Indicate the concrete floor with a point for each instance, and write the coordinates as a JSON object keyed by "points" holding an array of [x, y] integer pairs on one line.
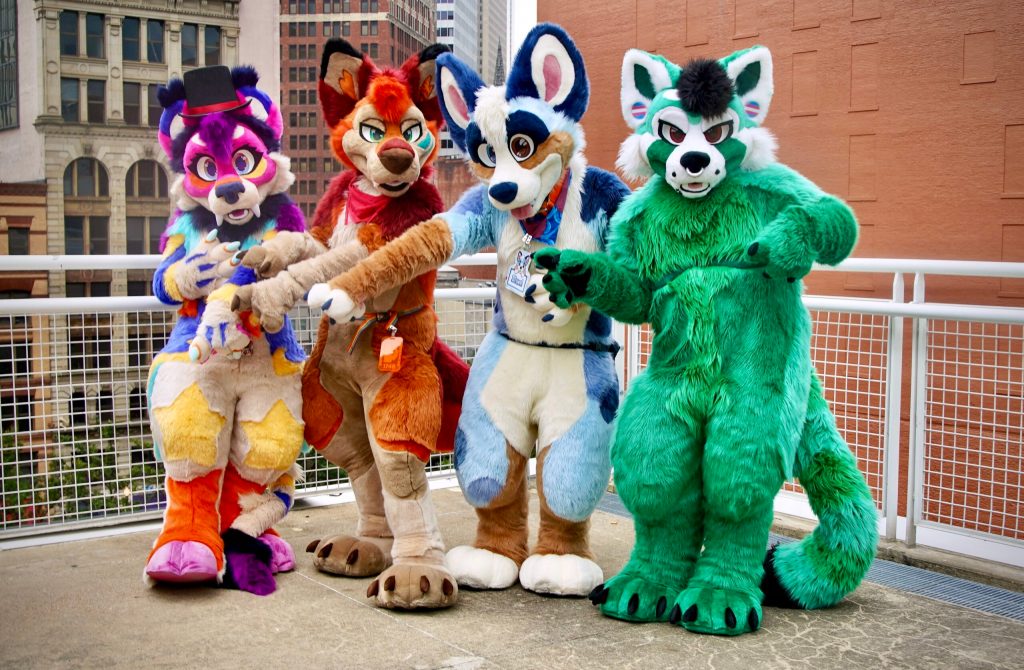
{"points": [[83, 605]]}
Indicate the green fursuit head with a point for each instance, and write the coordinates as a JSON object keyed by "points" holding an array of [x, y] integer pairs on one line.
{"points": [[711, 252]]}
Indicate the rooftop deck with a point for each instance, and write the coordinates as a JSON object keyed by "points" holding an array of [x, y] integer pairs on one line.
{"points": [[83, 604]]}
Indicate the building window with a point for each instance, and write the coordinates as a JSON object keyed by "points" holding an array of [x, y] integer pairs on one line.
{"points": [[86, 208], [153, 104], [346, 28], [136, 288], [69, 100], [146, 179], [69, 33], [96, 97], [144, 234], [130, 39], [17, 240], [293, 29], [211, 48], [189, 44], [86, 178], [8, 65], [155, 41], [132, 93], [86, 234], [94, 36], [147, 206]]}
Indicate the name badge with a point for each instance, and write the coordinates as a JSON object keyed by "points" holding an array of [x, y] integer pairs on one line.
{"points": [[518, 277]]}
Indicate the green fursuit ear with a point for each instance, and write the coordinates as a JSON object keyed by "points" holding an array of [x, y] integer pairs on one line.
{"points": [[644, 75], [751, 72]]}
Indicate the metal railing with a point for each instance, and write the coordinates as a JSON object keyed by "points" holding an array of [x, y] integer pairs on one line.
{"points": [[938, 436]]}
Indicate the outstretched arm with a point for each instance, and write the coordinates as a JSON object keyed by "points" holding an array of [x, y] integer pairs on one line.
{"points": [[596, 279]]}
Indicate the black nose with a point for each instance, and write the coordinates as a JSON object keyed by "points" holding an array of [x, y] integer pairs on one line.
{"points": [[505, 192], [230, 191], [695, 161]]}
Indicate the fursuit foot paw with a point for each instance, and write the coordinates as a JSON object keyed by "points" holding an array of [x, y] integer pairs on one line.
{"points": [[282, 558], [629, 597], [480, 568], [182, 562], [560, 574], [703, 609], [351, 556], [409, 586]]}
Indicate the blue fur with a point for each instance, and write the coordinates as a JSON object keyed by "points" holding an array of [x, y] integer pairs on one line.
{"points": [[520, 77], [498, 322], [469, 83], [480, 452], [602, 382], [473, 222], [602, 193], [286, 338], [575, 472], [529, 124], [184, 331], [159, 290], [285, 498]]}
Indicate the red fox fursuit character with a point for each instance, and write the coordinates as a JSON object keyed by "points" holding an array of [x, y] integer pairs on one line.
{"points": [[229, 429], [381, 393]]}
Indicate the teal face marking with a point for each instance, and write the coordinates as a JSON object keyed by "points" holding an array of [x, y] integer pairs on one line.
{"points": [[427, 143]]}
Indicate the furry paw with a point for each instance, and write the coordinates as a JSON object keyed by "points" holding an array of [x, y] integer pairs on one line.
{"points": [[247, 563], [199, 273], [703, 609], [335, 303], [560, 574], [567, 274], [268, 300], [782, 252], [351, 556], [414, 586], [275, 254], [220, 331], [630, 597], [540, 299], [182, 562], [480, 568], [282, 558]]}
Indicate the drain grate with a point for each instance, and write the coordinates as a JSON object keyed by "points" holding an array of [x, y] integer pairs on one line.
{"points": [[934, 585]]}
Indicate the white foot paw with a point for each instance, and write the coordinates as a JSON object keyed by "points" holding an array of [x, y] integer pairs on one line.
{"points": [[480, 568], [335, 303], [560, 574]]}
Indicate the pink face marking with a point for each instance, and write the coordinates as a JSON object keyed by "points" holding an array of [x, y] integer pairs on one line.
{"points": [[212, 157]]}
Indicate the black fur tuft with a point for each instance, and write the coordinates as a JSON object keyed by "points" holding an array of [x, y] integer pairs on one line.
{"points": [[775, 594], [244, 75], [433, 51], [705, 88], [171, 93], [333, 46]]}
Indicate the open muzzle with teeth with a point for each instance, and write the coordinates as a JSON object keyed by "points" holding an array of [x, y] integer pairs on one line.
{"points": [[235, 201]]}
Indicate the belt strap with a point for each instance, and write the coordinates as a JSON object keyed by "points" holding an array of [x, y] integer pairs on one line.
{"points": [[373, 318], [600, 347]]}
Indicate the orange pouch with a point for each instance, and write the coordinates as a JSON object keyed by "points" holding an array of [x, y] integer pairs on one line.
{"points": [[390, 354]]}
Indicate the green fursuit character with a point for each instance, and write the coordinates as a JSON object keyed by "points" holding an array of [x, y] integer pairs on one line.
{"points": [[711, 252]]}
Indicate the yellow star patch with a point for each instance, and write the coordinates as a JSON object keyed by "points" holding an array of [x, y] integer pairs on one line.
{"points": [[275, 441], [189, 428]]}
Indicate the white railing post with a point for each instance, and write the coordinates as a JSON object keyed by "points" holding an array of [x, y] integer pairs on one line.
{"points": [[893, 407], [918, 420]]}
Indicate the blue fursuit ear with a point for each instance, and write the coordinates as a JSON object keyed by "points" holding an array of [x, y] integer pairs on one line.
{"points": [[457, 87], [549, 67]]}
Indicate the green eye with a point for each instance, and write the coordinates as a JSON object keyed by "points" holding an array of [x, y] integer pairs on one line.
{"points": [[413, 132], [370, 133]]}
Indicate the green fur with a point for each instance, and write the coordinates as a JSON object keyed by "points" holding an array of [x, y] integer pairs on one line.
{"points": [[729, 406]]}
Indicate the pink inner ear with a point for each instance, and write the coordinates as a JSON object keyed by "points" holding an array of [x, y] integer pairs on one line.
{"points": [[456, 101], [552, 76]]}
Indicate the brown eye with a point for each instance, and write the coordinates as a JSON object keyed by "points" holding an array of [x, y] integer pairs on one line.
{"points": [[521, 147], [718, 133], [671, 133]]}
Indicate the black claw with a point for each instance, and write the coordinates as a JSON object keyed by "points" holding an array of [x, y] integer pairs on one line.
{"points": [[548, 262], [791, 279], [373, 589], [548, 279], [389, 583], [352, 557], [333, 321], [311, 547], [596, 592], [326, 551], [530, 290], [752, 249], [730, 618], [602, 597], [447, 587], [547, 317], [659, 609], [327, 304], [633, 605], [529, 298], [752, 621], [766, 275], [424, 583], [675, 615], [691, 614]]}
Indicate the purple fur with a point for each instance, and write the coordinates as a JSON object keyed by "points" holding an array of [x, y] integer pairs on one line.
{"points": [[216, 131], [250, 574], [290, 218]]}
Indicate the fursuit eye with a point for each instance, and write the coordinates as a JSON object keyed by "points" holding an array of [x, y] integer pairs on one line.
{"points": [[521, 147], [413, 132], [370, 133], [244, 161], [485, 153], [718, 133], [206, 168], [670, 132]]}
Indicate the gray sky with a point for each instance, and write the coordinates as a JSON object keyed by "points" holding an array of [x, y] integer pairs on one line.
{"points": [[522, 17]]}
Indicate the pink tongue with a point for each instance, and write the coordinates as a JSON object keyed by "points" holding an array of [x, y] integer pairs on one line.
{"points": [[695, 186], [238, 213], [522, 212]]}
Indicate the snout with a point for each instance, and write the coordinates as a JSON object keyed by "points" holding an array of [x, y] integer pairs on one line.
{"points": [[396, 156], [694, 162], [504, 192], [229, 191]]}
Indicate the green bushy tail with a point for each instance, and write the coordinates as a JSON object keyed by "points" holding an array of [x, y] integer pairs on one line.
{"points": [[828, 564]]}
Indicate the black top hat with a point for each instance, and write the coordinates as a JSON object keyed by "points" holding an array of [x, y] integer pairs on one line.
{"points": [[209, 90]]}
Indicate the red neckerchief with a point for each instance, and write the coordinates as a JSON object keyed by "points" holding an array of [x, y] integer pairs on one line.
{"points": [[541, 226], [361, 207]]}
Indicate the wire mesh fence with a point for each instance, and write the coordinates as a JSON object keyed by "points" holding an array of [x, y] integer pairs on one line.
{"points": [[850, 353], [973, 452], [76, 442]]}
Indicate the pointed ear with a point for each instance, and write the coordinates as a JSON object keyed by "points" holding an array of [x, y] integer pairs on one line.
{"points": [[751, 73], [261, 105], [343, 73], [421, 71], [172, 99], [457, 87], [643, 76], [549, 67]]}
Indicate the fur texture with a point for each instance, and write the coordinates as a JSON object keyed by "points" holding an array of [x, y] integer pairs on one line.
{"points": [[729, 406]]}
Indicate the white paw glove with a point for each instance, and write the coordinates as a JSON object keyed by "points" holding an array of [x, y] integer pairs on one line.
{"points": [[539, 298], [200, 272], [219, 331], [335, 303]]}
